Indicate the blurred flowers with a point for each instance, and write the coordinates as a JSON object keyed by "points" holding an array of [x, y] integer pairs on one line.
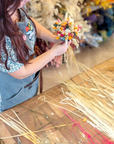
{"points": [[105, 4]]}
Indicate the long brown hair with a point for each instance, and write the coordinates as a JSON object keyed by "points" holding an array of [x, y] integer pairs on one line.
{"points": [[10, 29]]}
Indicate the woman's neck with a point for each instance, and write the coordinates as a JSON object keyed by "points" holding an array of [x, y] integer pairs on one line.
{"points": [[16, 16]]}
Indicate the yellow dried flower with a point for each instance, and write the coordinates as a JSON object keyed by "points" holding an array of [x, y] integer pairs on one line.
{"points": [[70, 37], [70, 23], [61, 28], [76, 28], [54, 28], [64, 24], [57, 38], [84, 120], [56, 23]]}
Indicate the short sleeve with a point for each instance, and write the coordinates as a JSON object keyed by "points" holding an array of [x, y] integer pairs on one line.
{"points": [[12, 62]]}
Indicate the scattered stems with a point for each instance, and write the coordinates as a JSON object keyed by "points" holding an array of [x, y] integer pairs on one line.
{"points": [[20, 127]]}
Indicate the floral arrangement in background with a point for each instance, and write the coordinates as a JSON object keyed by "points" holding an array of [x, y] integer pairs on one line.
{"points": [[46, 12], [105, 4], [43, 11]]}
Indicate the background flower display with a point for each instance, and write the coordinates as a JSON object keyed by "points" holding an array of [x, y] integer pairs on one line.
{"points": [[47, 12]]}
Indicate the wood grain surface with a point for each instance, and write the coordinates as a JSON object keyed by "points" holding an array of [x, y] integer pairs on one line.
{"points": [[44, 117]]}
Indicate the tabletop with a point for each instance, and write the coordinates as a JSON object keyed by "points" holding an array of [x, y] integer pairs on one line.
{"points": [[53, 122]]}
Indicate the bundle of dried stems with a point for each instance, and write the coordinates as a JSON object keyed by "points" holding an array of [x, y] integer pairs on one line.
{"points": [[93, 95]]}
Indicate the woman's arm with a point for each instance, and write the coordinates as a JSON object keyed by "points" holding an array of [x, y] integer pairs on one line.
{"points": [[43, 33], [39, 62]]}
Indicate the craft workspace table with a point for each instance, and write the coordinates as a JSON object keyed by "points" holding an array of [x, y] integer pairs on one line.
{"points": [[39, 115]]}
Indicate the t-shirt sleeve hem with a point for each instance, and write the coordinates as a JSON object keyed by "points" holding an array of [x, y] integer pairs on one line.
{"points": [[15, 68]]}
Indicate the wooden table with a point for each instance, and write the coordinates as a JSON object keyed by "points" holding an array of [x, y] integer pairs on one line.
{"points": [[40, 115]]}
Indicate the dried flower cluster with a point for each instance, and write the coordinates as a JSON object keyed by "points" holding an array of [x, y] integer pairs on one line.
{"points": [[46, 12], [67, 30]]}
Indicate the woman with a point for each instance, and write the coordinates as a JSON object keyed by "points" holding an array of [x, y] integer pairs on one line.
{"points": [[18, 72]]}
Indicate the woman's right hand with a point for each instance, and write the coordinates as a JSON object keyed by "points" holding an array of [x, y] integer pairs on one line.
{"points": [[60, 48]]}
